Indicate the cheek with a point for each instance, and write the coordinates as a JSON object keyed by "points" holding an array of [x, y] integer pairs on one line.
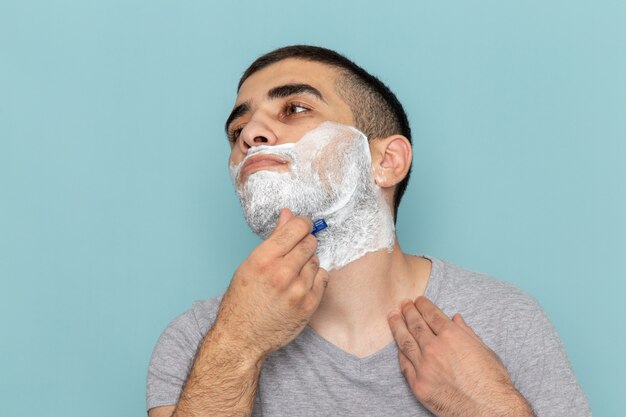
{"points": [[235, 157], [293, 133]]}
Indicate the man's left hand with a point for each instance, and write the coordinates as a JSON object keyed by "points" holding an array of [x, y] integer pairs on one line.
{"points": [[448, 367]]}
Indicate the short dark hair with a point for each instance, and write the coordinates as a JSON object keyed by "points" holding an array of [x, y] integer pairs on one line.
{"points": [[376, 110]]}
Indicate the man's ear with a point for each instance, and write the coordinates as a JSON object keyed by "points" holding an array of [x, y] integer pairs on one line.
{"points": [[391, 159]]}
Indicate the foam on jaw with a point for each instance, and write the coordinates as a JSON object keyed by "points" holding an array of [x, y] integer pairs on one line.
{"points": [[330, 177]]}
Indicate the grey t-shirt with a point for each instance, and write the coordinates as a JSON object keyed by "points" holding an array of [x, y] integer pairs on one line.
{"points": [[312, 377]]}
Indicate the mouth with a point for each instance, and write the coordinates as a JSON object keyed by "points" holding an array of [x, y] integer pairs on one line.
{"points": [[259, 162]]}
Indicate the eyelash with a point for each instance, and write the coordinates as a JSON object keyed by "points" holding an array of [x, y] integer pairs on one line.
{"points": [[233, 134], [292, 105]]}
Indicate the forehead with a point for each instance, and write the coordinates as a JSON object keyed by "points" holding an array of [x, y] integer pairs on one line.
{"points": [[290, 71]]}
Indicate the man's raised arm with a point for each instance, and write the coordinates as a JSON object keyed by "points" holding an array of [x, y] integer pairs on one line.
{"points": [[271, 297]]}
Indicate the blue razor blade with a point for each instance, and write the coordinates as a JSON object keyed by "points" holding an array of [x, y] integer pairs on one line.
{"points": [[318, 226]]}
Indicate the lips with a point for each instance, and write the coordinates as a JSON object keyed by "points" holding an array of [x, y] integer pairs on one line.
{"points": [[259, 162]]}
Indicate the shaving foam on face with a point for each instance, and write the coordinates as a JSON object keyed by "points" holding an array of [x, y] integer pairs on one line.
{"points": [[329, 177]]}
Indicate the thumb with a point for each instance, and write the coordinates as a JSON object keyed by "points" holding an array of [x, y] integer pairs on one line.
{"points": [[285, 215]]}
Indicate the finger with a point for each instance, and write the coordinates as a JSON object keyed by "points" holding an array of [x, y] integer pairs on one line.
{"points": [[283, 217], [288, 235], [458, 319], [285, 214], [405, 341], [309, 271], [434, 317], [415, 323], [301, 253], [407, 368], [320, 282]]}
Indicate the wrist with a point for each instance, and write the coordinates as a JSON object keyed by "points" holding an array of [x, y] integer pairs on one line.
{"points": [[227, 345], [522, 407], [509, 403], [515, 405]]}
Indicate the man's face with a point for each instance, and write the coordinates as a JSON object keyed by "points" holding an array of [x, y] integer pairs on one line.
{"points": [[284, 155], [278, 105]]}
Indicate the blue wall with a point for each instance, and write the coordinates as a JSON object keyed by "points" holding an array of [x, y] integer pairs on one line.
{"points": [[116, 210]]}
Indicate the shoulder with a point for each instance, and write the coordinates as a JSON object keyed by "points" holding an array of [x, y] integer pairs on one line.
{"points": [[503, 315], [479, 294], [186, 331], [515, 326], [173, 354], [204, 312]]}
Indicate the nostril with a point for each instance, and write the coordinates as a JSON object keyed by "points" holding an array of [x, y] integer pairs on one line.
{"points": [[260, 139]]}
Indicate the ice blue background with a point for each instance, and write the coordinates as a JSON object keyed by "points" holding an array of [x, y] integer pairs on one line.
{"points": [[116, 210]]}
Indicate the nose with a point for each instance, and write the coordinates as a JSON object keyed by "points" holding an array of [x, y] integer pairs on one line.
{"points": [[255, 133]]}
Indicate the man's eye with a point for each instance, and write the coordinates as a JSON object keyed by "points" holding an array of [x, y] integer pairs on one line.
{"points": [[296, 108], [233, 135]]}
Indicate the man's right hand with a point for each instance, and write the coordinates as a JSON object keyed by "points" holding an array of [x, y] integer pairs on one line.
{"points": [[274, 292]]}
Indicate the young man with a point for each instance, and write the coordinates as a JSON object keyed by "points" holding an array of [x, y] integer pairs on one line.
{"points": [[343, 322]]}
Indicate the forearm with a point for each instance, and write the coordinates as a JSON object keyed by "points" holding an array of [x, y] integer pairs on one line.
{"points": [[223, 381]]}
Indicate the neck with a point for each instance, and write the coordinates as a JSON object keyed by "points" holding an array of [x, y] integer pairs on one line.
{"points": [[353, 312]]}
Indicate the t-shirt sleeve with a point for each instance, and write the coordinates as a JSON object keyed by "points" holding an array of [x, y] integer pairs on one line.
{"points": [[543, 374], [172, 359]]}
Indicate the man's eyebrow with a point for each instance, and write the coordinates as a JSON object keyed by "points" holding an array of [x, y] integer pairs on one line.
{"points": [[293, 89], [281, 91], [238, 111]]}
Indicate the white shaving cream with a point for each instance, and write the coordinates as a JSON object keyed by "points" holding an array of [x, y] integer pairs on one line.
{"points": [[330, 176]]}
